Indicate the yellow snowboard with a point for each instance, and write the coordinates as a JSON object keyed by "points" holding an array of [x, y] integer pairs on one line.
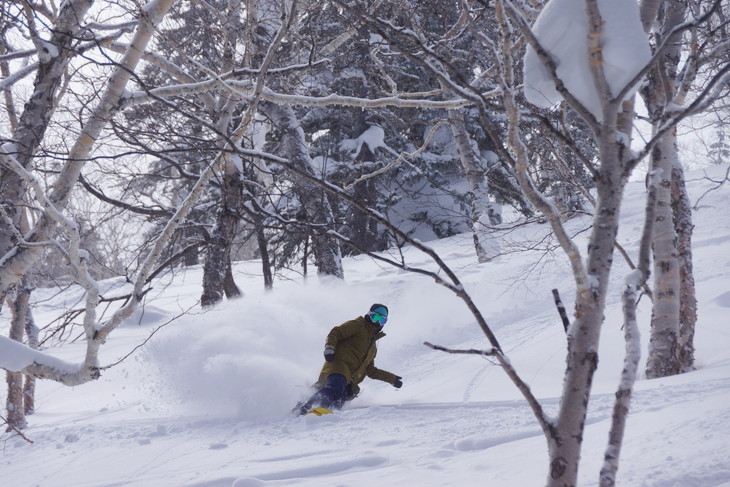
{"points": [[319, 411]]}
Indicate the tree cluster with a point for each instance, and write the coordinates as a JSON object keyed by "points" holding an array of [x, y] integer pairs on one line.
{"points": [[139, 139]]}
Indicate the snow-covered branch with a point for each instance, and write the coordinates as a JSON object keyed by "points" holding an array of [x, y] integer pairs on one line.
{"points": [[550, 65], [241, 88], [21, 54], [18, 75], [122, 26], [18, 264], [401, 156], [403, 100], [77, 257]]}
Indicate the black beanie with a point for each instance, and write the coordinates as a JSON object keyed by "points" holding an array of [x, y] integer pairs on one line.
{"points": [[382, 307]]}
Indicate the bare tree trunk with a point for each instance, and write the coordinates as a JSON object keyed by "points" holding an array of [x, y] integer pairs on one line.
{"points": [[266, 266], [40, 106], [485, 243], [665, 317], [682, 212], [14, 404], [364, 228], [632, 284], [565, 436], [31, 331], [216, 270], [7, 93], [217, 276], [20, 400], [229, 284], [253, 184], [584, 334], [664, 346], [305, 257]]}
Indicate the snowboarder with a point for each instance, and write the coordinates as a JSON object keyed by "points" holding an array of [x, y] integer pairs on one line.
{"points": [[349, 354]]}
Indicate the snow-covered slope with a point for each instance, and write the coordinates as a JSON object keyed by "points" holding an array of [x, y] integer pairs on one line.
{"points": [[205, 402]]}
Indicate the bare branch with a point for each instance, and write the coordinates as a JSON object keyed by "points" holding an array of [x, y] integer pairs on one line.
{"points": [[471, 351], [718, 185], [561, 309], [149, 337], [708, 96], [15, 430]]}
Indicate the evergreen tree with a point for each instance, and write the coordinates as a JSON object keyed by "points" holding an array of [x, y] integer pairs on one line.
{"points": [[719, 152]]}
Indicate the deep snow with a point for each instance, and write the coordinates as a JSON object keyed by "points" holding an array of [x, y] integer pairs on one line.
{"points": [[205, 402]]}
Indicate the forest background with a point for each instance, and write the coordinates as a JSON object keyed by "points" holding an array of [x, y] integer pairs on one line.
{"points": [[166, 135]]}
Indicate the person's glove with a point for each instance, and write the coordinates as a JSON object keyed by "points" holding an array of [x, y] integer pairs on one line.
{"points": [[398, 383], [329, 354]]}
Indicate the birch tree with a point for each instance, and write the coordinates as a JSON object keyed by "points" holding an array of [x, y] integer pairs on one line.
{"points": [[27, 131], [681, 66], [665, 316], [18, 261], [603, 98]]}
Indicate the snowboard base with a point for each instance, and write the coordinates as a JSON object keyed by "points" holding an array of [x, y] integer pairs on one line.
{"points": [[319, 411]]}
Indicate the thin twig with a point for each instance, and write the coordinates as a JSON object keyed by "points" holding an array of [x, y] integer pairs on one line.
{"points": [[183, 313], [472, 351], [16, 430]]}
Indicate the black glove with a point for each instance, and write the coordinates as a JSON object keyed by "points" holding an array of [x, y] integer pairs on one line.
{"points": [[398, 383], [329, 354]]}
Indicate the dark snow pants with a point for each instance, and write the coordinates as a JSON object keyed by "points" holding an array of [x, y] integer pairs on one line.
{"points": [[333, 394]]}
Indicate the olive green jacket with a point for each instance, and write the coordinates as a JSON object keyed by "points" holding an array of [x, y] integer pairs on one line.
{"points": [[355, 350]]}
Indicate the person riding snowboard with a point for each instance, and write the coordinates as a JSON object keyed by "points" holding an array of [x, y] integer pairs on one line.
{"points": [[349, 354]]}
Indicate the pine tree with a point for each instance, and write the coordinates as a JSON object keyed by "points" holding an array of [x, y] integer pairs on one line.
{"points": [[719, 152]]}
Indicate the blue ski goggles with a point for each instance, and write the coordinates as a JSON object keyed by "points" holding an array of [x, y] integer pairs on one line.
{"points": [[378, 318]]}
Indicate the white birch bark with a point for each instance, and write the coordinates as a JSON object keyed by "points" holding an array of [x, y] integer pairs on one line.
{"points": [[33, 122], [663, 341], [486, 243], [664, 346], [16, 265], [592, 276], [630, 296]]}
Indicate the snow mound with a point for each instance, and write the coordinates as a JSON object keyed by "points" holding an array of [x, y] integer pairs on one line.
{"points": [[562, 30]]}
